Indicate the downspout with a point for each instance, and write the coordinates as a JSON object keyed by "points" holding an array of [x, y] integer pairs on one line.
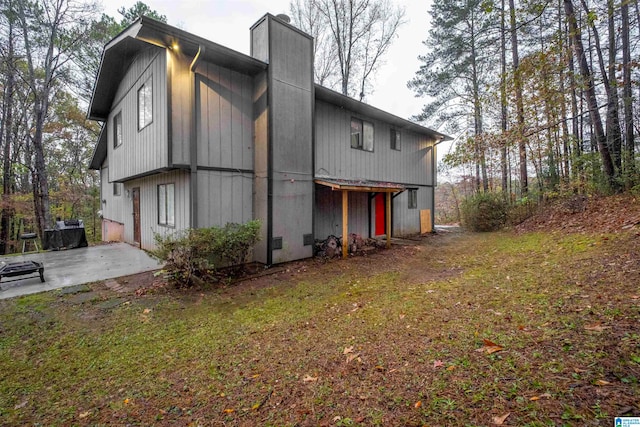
{"points": [[193, 153]]}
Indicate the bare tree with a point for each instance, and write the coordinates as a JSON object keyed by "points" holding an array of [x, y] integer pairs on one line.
{"points": [[355, 34], [52, 31], [310, 20]]}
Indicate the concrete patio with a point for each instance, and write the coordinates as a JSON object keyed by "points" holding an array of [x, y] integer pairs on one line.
{"points": [[75, 267]]}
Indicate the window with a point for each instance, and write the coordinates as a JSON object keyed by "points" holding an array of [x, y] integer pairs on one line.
{"points": [[166, 205], [413, 198], [145, 105], [117, 189], [117, 130], [361, 134], [395, 139]]}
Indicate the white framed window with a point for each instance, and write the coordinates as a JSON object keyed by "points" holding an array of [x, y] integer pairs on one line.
{"points": [[166, 205], [361, 134], [413, 198], [117, 189], [117, 130], [145, 104], [395, 139]]}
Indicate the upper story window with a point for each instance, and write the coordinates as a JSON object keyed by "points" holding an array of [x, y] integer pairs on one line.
{"points": [[361, 134], [413, 198], [117, 189], [166, 205], [145, 104], [395, 139], [117, 130]]}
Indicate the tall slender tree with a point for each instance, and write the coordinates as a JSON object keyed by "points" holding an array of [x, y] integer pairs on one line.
{"points": [[589, 92]]}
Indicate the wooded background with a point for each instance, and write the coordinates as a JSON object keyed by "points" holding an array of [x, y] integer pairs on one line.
{"points": [[541, 96]]}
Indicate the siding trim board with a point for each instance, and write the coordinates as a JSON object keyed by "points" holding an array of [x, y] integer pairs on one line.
{"points": [[221, 169]]}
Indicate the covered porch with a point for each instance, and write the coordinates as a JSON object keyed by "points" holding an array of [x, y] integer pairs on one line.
{"points": [[346, 186]]}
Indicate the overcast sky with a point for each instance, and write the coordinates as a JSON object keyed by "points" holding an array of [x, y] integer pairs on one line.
{"points": [[227, 22]]}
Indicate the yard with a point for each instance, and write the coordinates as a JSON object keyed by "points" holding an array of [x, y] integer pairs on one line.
{"points": [[528, 328]]}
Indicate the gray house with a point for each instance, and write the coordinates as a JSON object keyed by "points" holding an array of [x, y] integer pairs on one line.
{"points": [[196, 134]]}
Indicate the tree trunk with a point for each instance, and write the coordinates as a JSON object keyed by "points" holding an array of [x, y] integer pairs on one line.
{"points": [[41, 92], [614, 135], [7, 124], [503, 103], [590, 93], [522, 145], [627, 97]]}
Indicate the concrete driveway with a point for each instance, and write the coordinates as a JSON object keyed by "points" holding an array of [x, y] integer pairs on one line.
{"points": [[77, 266]]}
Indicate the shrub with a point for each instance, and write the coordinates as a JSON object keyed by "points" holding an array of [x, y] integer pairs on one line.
{"points": [[195, 256], [484, 212]]}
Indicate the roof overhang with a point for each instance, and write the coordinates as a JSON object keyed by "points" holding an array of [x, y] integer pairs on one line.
{"points": [[335, 98], [360, 185], [145, 32], [100, 152]]}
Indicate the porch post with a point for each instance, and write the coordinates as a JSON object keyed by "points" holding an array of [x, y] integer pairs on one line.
{"points": [[345, 223], [388, 220]]}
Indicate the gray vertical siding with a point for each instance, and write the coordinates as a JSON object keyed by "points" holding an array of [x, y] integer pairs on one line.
{"points": [[329, 213], [224, 197], [407, 221], [149, 206], [181, 86], [143, 150], [290, 62], [335, 157], [112, 206], [224, 118], [261, 153]]}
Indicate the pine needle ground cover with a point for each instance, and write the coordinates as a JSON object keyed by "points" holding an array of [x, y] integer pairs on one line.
{"points": [[460, 329]]}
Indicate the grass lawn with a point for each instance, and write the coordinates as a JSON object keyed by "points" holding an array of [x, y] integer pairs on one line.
{"points": [[461, 329]]}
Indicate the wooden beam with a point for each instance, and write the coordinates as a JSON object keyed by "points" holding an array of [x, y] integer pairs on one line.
{"points": [[388, 220], [345, 223]]}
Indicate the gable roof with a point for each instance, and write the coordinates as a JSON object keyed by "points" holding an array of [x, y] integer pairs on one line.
{"points": [[121, 51]]}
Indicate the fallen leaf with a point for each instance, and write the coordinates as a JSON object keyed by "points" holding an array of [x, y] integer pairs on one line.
{"points": [[578, 370], [229, 411], [438, 364], [347, 350], [84, 414], [402, 316], [500, 420], [418, 404], [255, 376], [354, 356], [521, 327], [602, 382], [451, 368], [490, 347], [543, 395], [126, 401], [596, 327], [308, 379], [146, 311], [21, 405]]}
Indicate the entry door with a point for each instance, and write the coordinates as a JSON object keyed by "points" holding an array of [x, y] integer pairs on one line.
{"points": [[380, 214], [135, 195]]}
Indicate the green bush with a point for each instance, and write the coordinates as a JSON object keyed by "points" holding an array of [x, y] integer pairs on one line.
{"points": [[195, 256], [484, 212]]}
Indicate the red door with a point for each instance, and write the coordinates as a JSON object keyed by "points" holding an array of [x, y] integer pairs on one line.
{"points": [[380, 213]]}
